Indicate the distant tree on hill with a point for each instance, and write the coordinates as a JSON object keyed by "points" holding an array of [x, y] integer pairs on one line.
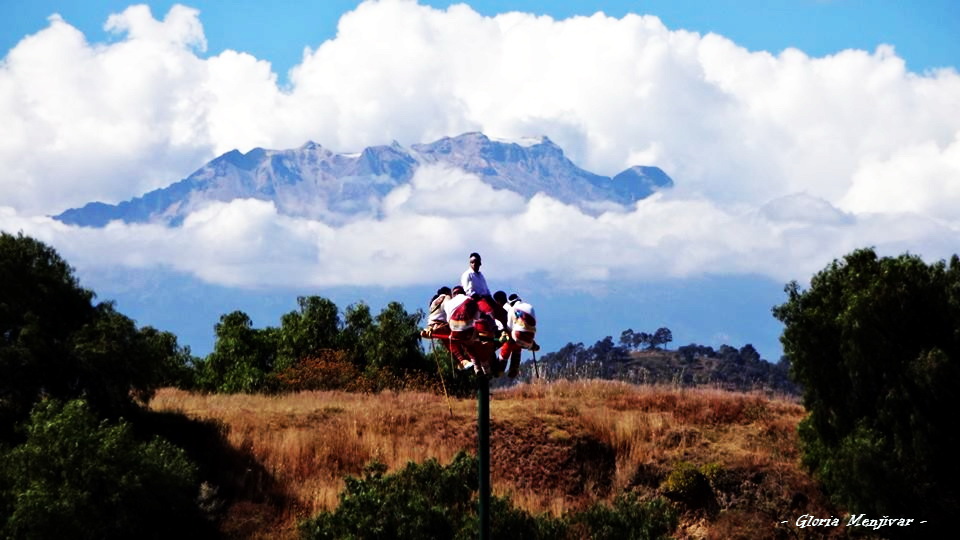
{"points": [[643, 340], [875, 344], [729, 367], [661, 337]]}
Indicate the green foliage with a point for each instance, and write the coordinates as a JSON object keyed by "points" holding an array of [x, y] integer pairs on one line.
{"points": [[508, 521], [420, 501], [628, 518], [304, 333], [441, 364], [639, 340], [77, 477], [358, 334], [688, 484], [397, 343], [112, 358], [242, 356], [55, 342], [309, 349], [875, 343], [428, 500]]}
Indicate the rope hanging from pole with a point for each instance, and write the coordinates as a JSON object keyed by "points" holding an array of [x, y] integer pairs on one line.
{"points": [[535, 368], [440, 374]]}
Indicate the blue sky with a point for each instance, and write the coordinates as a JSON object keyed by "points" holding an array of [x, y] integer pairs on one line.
{"points": [[925, 32], [795, 132]]}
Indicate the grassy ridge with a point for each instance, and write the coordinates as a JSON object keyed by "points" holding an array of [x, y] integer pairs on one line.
{"points": [[556, 447]]}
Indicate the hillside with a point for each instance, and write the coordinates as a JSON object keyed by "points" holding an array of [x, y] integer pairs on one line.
{"points": [[556, 447], [691, 365]]}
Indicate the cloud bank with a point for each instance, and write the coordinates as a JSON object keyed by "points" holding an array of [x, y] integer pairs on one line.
{"points": [[781, 162]]}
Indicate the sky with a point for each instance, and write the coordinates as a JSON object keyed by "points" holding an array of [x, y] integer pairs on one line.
{"points": [[795, 132]]}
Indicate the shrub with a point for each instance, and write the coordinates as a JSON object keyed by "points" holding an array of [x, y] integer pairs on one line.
{"points": [[431, 501], [508, 521], [628, 518], [688, 484], [423, 500], [77, 477]]}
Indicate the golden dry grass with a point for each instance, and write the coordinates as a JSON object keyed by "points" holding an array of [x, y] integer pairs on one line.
{"points": [[555, 446]]}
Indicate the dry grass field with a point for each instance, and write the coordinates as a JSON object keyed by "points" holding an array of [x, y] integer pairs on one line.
{"points": [[555, 447]]}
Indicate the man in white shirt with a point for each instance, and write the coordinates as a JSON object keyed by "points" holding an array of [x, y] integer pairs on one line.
{"points": [[472, 279]]}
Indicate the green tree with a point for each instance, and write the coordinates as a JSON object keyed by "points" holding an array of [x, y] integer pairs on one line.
{"points": [[875, 344], [78, 477], [54, 341], [304, 333], [41, 307], [174, 363], [358, 334], [397, 343], [242, 356], [661, 336]]}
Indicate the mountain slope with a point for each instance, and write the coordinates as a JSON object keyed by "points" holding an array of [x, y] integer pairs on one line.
{"points": [[314, 182]]}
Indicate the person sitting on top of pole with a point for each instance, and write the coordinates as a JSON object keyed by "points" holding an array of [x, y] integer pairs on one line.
{"points": [[436, 316], [475, 286], [522, 326], [461, 311], [472, 280]]}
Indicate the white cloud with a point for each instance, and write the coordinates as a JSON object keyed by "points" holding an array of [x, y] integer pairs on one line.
{"points": [[921, 178], [782, 162]]}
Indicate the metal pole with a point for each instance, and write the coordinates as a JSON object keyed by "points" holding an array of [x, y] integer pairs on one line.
{"points": [[483, 451]]}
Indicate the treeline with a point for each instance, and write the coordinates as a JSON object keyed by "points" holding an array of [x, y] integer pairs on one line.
{"points": [[315, 348], [642, 361]]}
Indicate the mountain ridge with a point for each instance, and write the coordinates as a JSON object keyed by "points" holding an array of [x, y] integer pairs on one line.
{"points": [[316, 183]]}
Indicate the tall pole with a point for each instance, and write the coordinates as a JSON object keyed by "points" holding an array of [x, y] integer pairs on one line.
{"points": [[483, 451]]}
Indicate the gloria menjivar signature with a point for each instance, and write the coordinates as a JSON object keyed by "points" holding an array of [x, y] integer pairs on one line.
{"points": [[854, 520]]}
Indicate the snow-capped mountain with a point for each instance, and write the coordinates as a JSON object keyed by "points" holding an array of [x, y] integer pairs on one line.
{"points": [[316, 183]]}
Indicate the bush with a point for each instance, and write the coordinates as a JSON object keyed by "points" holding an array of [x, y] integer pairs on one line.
{"points": [[431, 501], [420, 501], [627, 518], [77, 477], [507, 521], [688, 484]]}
